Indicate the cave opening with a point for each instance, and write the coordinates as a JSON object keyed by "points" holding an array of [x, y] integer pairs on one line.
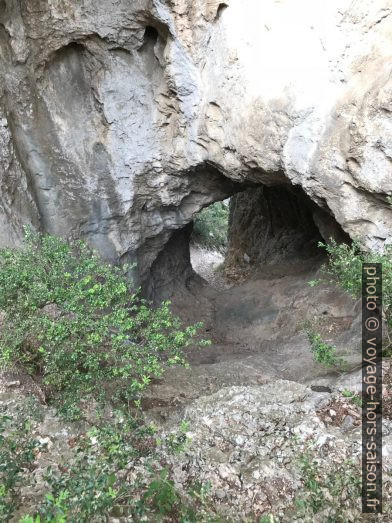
{"points": [[209, 240], [262, 226], [242, 268], [150, 35], [221, 7], [233, 232]]}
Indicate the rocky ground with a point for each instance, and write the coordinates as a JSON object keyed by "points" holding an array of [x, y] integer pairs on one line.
{"points": [[258, 447]]}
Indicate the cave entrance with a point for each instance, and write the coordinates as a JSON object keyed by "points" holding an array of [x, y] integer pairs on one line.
{"points": [[274, 230], [274, 227], [208, 242]]}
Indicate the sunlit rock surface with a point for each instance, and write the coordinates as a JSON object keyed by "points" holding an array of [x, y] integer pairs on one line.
{"points": [[120, 120]]}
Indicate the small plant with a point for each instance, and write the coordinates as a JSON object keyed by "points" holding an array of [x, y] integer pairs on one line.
{"points": [[323, 353], [315, 498], [268, 519], [345, 269], [347, 393], [210, 227], [176, 442], [322, 490], [77, 324], [353, 397], [191, 507], [162, 494]]}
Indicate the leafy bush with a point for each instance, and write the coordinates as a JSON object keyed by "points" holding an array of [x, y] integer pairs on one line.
{"points": [[210, 228], [91, 485], [162, 494], [321, 491], [77, 324], [81, 331], [345, 269], [322, 352]]}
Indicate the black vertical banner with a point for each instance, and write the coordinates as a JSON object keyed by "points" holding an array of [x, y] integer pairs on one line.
{"points": [[372, 388]]}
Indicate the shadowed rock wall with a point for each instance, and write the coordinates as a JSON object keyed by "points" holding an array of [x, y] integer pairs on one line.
{"points": [[271, 224], [268, 225]]}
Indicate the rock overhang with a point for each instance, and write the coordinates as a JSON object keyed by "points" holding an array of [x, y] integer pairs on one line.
{"points": [[122, 121]]}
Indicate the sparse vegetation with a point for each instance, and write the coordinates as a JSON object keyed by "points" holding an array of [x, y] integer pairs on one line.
{"points": [[357, 400], [323, 492], [345, 269], [210, 228], [116, 471], [323, 352], [17, 454]]}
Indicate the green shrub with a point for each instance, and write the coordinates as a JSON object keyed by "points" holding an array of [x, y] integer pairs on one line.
{"points": [[91, 486], [315, 498], [210, 228], [268, 519], [324, 490], [345, 269], [162, 494], [357, 400], [323, 352], [77, 324]]}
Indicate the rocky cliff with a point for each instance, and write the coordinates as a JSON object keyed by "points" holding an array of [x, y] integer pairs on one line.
{"points": [[120, 120]]}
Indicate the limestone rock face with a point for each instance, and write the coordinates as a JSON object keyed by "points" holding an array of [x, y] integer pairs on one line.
{"points": [[120, 120]]}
